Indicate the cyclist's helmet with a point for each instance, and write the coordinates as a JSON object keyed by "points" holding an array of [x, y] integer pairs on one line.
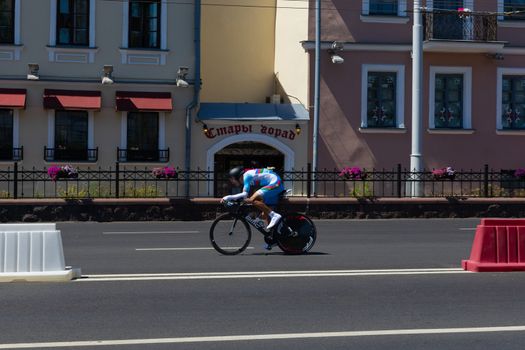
{"points": [[236, 172]]}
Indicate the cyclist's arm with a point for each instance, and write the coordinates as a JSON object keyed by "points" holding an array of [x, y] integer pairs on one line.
{"points": [[235, 197]]}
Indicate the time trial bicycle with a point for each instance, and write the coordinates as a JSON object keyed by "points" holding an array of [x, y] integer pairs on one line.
{"points": [[230, 233]]}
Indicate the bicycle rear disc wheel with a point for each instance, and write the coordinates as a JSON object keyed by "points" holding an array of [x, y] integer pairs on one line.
{"points": [[230, 235], [306, 234]]}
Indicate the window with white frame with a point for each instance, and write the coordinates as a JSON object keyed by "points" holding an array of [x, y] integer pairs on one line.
{"points": [[70, 136], [384, 7], [382, 96], [143, 137], [510, 99], [450, 98]]}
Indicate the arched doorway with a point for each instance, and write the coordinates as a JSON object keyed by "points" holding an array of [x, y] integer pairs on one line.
{"points": [[249, 154]]}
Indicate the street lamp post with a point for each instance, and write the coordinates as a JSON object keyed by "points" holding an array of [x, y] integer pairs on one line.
{"points": [[416, 155]]}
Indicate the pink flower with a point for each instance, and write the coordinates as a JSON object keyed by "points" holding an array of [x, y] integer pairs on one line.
{"points": [[354, 173]]}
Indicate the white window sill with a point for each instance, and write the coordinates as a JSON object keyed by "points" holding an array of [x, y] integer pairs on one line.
{"points": [[511, 24], [508, 132], [382, 130], [10, 52], [68, 54], [451, 131], [384, 19], [144, 56]]}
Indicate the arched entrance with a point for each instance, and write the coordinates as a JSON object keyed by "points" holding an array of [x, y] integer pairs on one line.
{"points": [[248, 154]]}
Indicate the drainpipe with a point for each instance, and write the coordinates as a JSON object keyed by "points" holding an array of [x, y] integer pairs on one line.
{"points": [[316, 90], [197, 86]]}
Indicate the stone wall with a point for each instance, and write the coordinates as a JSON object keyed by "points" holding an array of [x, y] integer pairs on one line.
{"points": [[104, 210]]}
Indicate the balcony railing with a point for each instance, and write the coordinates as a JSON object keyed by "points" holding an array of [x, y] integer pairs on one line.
{"points": [[11, 153], [140, 155], [454, 25], [73, 155]]}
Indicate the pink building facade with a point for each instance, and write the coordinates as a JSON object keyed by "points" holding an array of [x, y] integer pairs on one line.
{"points": [[473, 83]]}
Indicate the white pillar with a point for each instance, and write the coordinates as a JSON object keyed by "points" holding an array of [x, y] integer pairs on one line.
{"points": [[416, 155]]}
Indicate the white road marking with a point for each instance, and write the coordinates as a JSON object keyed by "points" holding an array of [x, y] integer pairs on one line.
{"points": [[143, 232], [176, 249], [282, 336], [264, 274]]}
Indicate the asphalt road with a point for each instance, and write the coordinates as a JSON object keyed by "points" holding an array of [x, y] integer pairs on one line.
{"points": [[392, 284]]}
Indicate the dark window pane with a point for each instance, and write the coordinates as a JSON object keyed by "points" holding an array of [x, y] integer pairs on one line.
{"points": [[6, 128], [143, 131], [448, 101], [514, 5], [513, 102], [7, 19], [73, 22], [381, 104], [383, 7], [71, 135], [144, 23]]}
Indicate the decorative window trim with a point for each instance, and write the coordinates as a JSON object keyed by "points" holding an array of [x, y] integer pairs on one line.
{"points": [[145, 56], [80, 54], [451, 131], [399, 69], [499, 98], [384, 19], [467, 95], [124, 131], [71, 54], [383, 130], [401, 11]]}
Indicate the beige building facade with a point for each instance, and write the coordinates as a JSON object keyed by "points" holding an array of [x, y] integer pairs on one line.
{"points": [[253, 109], [91, 83]]}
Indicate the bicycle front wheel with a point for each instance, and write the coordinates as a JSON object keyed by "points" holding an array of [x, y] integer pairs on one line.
{"points": [[229, 234]]}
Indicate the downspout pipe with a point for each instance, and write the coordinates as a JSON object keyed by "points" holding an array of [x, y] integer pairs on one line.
{"points": [[197, 86]]}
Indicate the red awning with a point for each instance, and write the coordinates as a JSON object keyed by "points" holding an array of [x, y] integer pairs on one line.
{"points": [[13, 98], [134, 101], [72, 99]]}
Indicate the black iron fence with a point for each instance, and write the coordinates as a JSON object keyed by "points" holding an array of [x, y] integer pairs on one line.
{"points": [[142, 182]]}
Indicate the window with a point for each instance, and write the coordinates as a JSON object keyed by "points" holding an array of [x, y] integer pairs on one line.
{"points": [[382, 98], [448, 111], [144, 24], [513, 102], [6, 134], [143, 136], [7, 21], [512, 6], [450, 99], [383, 7], [73, 22], [71, 135]]}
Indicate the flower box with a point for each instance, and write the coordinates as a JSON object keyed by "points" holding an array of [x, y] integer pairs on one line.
{"points": [[164, 173], [62, 172], [444, 174], [353, 173]]}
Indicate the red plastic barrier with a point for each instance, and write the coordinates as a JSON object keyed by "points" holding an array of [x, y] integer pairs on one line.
{"points": [[499, 245]]}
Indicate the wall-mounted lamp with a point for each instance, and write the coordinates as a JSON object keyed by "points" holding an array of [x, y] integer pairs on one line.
{"points": [[181, 77], [297, 129], [334, 50], [496, 56], [33, 71], [107, 77], [204, 128]]}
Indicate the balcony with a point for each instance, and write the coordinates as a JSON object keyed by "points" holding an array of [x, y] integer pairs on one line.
{"points": [[142, 155], [70, 155], [11, 153], [454, 31]]}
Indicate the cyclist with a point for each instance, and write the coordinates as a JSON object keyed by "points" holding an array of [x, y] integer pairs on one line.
{"points": [[271, 187]]}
